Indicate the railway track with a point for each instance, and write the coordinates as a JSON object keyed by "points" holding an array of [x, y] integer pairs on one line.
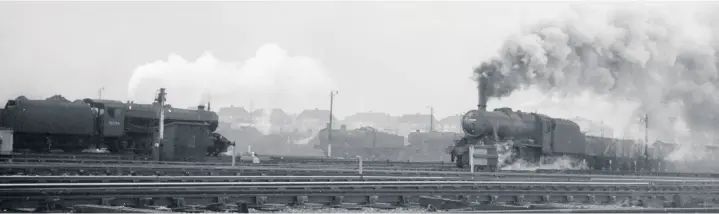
{"points": [[219, 162], [227, 196], [376, 165], [43, 180], [192, 170], [312, 162]]}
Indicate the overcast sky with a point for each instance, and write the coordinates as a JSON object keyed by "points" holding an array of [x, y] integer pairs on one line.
{"points": [[391, 57]]}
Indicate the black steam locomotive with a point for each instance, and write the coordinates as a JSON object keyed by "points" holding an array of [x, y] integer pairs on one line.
{"points": [[57, 123], [535, 138]]}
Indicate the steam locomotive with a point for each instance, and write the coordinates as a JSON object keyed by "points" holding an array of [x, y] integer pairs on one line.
{"points": [[57, 123], [537, 138]]}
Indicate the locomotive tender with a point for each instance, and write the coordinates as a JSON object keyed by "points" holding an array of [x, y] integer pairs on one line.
{"points": [[536, 137], [56, 123]]}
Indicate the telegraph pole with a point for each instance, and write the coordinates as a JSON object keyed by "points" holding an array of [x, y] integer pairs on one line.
{"points": [[431, 118], [160, 100], [329, 129], [646, 128], [646, 140], [99, 93], [252, 114]]}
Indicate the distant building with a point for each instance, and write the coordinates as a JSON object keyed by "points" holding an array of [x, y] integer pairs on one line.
{"points": [[450, 124], [234, 115], [380, 121], [314, 120], [413, 122], [273, 121]]}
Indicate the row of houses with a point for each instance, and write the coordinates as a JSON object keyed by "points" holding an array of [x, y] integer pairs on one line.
{"points": [[315, 119]]}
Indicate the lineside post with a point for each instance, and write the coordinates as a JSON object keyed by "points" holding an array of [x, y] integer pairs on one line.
{"points": [[161, 99], [360, 164], [471, 158], [329, 126], [329, 150], [234, 153]]}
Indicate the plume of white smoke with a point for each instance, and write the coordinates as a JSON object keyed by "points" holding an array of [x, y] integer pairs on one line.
{"points": [[270, 79], [642, 59]]}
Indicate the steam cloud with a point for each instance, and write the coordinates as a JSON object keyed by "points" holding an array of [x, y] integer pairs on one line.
{"points": [[271, 79], [639, 54]]}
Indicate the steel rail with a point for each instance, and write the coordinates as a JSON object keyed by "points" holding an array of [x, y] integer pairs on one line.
{"points": [[293, 165], [55, 168], [318, 183], [216, 160], [116, 179], [60, 179], [323, 188], [438, 166], [311, 162]]}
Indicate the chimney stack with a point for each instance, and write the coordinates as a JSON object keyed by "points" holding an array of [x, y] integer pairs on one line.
{"points": [[482, 95], [201, 107]]}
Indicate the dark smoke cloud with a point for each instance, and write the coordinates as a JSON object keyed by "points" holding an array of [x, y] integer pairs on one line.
{"points": [[643, 55]]}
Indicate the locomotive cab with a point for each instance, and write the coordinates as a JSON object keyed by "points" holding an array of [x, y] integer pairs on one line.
{"points": [[110, 117]]}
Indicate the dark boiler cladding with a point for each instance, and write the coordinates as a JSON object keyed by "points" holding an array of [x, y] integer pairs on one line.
{"points": [[642, 55]]}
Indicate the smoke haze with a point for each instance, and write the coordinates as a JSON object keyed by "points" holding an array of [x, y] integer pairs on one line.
{"points": [[270, 79], [616, 64]]}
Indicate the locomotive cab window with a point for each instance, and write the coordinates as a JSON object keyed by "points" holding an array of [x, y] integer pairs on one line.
{"points": [[111, 112]]}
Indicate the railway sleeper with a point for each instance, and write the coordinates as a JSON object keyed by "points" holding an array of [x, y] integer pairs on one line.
{"points": [[218, 203]]}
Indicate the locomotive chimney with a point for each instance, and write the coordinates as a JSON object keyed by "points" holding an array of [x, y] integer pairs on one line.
{"points": [[481, 86]]}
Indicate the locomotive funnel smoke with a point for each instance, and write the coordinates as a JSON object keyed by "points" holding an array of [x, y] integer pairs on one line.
{"points": [[270, 79], [639, 54]]}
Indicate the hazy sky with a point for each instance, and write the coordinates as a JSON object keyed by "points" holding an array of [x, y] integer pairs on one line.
{"points": [[392, 57]]}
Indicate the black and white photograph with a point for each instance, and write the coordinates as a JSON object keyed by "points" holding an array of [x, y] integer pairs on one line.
{"points": [[359, 106]]}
